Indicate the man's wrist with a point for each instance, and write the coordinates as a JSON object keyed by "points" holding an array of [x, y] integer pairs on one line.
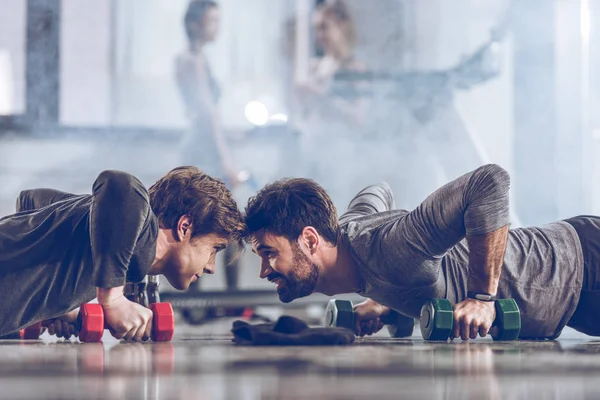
{"points": [[485, 285], [106, 296], [380, 308], [481, 296]]}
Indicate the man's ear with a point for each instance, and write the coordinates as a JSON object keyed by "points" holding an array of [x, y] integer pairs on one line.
{"points": [[184, 228], [310, 238]]}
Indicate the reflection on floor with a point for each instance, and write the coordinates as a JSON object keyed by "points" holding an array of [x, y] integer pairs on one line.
{"points": [[202, 363]]}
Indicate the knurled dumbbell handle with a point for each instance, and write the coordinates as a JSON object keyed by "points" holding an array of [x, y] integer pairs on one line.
{"points": [[389, 319]]}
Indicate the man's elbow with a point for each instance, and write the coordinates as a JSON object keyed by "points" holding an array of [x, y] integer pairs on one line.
{"points": [[118, 184], [388, 195], [114, 179], [22, 201], [494, 177], [380, 194]]}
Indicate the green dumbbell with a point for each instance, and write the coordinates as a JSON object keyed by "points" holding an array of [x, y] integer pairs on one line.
{"points": [[437, 320], [340, 313]]}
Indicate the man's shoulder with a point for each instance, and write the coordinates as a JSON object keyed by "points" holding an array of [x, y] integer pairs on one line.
{"points": [[370, 224], [76, 204], [62, 213]]}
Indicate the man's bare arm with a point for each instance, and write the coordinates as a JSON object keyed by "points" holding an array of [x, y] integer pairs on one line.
{"points": [[486, 256]]}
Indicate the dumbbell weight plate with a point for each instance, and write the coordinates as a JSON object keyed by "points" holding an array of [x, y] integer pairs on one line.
{"points": [[90, 322], [163, 322], [437, 319], [31, 332], [339, 313], [507, 325]]}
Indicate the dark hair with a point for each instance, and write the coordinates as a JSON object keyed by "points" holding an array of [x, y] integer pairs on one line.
{"points": [[208, 202], [286, 207], [195, 12]]}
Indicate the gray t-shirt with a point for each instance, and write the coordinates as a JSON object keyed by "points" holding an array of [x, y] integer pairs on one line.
{"points": [[407, 258], [59, 247]]}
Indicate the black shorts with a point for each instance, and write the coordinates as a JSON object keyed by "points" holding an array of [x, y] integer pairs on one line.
{"points": [[586, 317]]}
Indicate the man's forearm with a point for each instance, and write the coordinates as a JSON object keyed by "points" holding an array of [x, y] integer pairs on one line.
{"points": [[486, 256]]}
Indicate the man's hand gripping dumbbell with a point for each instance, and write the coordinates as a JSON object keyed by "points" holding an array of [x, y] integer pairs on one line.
{"points": [[367, 318], [437, 320]]}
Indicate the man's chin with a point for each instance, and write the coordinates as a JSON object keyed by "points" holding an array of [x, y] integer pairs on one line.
{"points": [[285, 296], [179, 285]]}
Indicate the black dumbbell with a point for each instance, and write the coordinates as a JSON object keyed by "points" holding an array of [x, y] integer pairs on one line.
{"points": [[437, 320], [340, 313]]}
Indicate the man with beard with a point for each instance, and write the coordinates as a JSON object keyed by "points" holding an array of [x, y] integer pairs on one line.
{"points": [[455, 245]]}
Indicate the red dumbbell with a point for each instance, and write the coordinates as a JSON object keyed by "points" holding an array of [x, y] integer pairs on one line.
{"points": [[90, 322], [32, 332]]}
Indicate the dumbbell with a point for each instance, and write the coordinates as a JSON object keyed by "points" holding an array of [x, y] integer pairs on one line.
{"points": [[90, 322], [340, 313], [137, 293], [437, 320], [152, 289], [32, 332]]}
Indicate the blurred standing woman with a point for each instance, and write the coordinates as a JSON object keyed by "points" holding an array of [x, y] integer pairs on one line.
{"points": [[205, 144]]}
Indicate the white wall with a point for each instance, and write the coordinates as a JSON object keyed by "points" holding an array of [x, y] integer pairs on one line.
{"points": [[12, 56], [569, 117], [452, 31], [85, 62], [148, 35], [486, 109]]}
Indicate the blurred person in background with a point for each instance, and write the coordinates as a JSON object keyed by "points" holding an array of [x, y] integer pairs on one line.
{"points": [[204, 144], [330, 122], [335, 36]]}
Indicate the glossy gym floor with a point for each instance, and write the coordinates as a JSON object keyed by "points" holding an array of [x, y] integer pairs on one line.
{"points": [[203, 363]]}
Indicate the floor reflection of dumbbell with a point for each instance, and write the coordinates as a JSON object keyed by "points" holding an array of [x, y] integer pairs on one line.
{"points": [[437, 320], [126, 358], [90, 322], [340, 313]]}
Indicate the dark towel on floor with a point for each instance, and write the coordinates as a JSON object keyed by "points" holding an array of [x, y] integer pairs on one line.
{"points": [[289, 331]]}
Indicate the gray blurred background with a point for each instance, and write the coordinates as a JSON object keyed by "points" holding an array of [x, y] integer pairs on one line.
{"points": [[90, 85]]}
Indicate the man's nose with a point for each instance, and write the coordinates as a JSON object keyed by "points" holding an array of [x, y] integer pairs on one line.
{"points": [[265, 270], [209, 269]]}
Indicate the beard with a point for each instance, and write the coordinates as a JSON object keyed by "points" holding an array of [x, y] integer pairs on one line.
{"points": [[301, 281]]}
